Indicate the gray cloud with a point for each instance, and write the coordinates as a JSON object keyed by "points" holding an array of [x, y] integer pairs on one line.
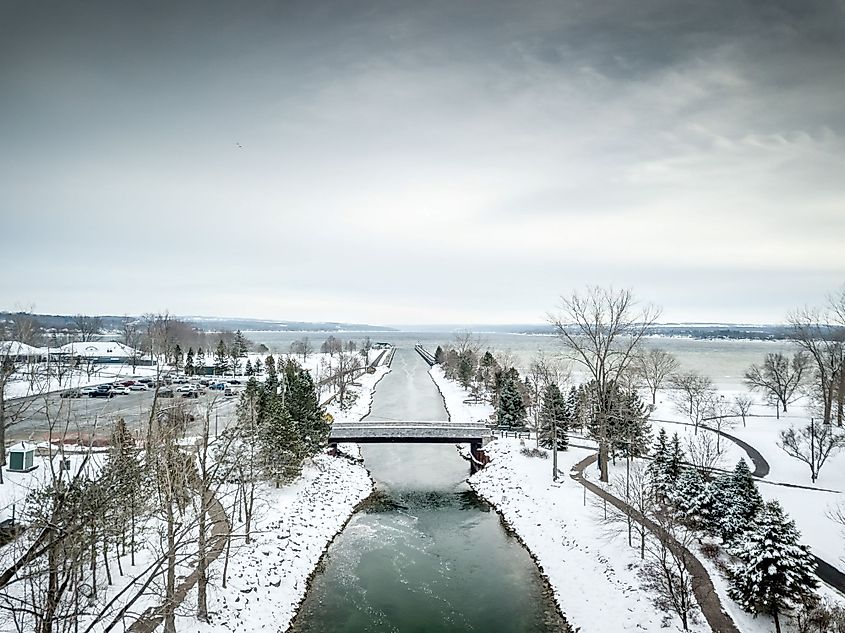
{"points": [[421, 161]]}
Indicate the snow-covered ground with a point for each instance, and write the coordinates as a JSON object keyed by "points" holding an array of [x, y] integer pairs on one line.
{"points": [[269, 577], [565, 534], [809, 508], [453, 399]]}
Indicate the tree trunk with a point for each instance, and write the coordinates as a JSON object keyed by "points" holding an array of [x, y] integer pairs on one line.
{"points": [[603, 475], [202, 561], [170, 586], [777, 621]]}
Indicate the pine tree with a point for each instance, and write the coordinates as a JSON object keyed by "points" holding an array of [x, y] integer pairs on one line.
{"points": [[239, 346], [248, 370], [657, 468], [511, 407], [177, 357], [270, 365], [304, 408], [221, 359], [675, 462], [630, 427], [775, 571], [280, 439], [466, 368], [200, 362], [736, 502], [439, 355], [693, 498], [189, 362], [554, 414]]}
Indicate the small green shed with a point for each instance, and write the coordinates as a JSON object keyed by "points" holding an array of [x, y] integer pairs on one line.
{"points": [[21, 458]]}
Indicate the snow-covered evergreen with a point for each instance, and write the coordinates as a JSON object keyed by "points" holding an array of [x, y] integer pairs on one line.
{"points": [[774, 570]]}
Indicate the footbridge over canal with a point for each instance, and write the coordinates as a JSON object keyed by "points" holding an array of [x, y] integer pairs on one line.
{"points": [[415, 432]]}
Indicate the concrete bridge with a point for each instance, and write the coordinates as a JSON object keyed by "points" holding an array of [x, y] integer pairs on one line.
{"points": [[414, 432]]}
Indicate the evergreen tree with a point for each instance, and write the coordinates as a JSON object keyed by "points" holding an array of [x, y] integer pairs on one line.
{"points": [[304, 408], [248, 370], [693, 498], [177, 357], [221, 359], [658, 467], [239, 346], [280, 439], [466, 368], [675, 462], [736, 502], [200, 362], [554, 415], [189, 362], [270, 365], [775, 572], [258, 367], [510, 411], [630, 428], [439, 355]]}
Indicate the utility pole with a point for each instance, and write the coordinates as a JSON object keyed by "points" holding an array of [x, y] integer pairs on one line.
{"points": [[554, 449], [812, 450]]}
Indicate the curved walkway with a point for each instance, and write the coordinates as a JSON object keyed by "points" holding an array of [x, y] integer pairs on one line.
{"points": [[761, 466], [150, 619], [702, 586]]}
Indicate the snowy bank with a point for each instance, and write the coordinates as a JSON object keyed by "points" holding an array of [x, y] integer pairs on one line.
{"points": [[294, 526]]}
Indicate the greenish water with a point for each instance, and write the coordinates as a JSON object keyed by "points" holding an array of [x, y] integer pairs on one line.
{"points": [[425, 554]]}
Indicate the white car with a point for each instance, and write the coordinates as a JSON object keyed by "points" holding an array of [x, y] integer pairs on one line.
{"points": [[120, 390], [186, 388], [139, 386]]}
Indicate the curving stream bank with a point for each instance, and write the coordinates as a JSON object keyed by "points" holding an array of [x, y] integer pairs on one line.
{"points": [[425, 553]]}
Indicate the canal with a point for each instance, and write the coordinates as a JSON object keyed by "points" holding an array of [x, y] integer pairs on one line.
{"points": [[425, 553]]}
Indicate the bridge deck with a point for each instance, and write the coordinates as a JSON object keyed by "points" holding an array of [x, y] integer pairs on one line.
{"points": [[435, 432]]}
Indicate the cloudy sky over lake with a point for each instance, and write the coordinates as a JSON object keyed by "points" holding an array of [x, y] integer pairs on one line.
{"points": [[410, 162]]}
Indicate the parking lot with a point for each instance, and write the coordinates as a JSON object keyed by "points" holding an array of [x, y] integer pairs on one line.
{"points": [[86, 416]]}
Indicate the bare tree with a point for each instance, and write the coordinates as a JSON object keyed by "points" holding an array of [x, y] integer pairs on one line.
{"points": [[742, 406], [718, 415], [704, 453], [601, 330], [778, 377], [87, 328], [668, 568], [654, 367], [302, 347], [694, 395], [132, 336], [821, 333], [467, 341], [812, 444], [636, 489]]}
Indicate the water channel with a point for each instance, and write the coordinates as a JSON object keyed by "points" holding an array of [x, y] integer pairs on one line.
{"points": [[425, 554]]}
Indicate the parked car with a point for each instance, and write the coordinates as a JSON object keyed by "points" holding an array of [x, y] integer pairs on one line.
{"points": [[218, 386], [72, 393], [185, 388], [146, 381], [120, 390], [139, 386], [234, 381], [228, 392], [127, 383], [190, 393], [165, 393], [103, 391]]}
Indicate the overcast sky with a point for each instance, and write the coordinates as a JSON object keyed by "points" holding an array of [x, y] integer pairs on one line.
{"points": [[411, 162]]}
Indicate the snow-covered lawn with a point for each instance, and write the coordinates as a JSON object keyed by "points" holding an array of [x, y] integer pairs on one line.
{"points": [[594, 574], [453, 399]]}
